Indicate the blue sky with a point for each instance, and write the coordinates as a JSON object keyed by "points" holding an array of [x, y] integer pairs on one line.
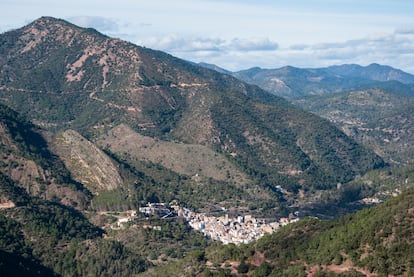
{"points": [[241, 34]]}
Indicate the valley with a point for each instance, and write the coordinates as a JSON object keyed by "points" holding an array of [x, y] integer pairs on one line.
{"points": [[276, 172]]}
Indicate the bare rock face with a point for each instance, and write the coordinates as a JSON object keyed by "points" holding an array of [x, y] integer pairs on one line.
{"points": [[6, 203], [88, 164]]}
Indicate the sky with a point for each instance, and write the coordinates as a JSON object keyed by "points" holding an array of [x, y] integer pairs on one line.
{"points": [[238, 35]]}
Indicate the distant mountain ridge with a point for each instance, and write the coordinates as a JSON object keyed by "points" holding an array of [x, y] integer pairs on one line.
{"points": [[373, 71], [292, 82]]}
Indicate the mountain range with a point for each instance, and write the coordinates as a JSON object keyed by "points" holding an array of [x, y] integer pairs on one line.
{"points": [[92, 127], [65, 77], [371, 104], [292, 82]]}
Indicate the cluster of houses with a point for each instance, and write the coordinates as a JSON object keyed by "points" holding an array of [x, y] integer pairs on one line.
{"points": [[160, 209], [241, 229]]}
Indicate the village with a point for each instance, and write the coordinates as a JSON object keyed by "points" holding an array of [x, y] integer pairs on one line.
{"points": [[242, 229], [237, 230]]}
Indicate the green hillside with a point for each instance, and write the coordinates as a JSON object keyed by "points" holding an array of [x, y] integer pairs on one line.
{"points": [[377, 241], [48, 238], [42, 234], [378, 119]]}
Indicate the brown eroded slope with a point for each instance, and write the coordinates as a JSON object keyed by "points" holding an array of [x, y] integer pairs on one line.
{"points": [[187, 159], [88, 164]]}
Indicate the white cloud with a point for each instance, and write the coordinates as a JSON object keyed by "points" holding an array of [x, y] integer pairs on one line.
{"points": [[254, 44], [177, 44], [394, 49], [405, 31], [391, 49], [103, 24], [299, 47]]}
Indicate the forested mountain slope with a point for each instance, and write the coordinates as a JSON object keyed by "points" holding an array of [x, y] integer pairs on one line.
{"points": [[43, 232], [62, 76], [378, 119], [377, 241]]}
